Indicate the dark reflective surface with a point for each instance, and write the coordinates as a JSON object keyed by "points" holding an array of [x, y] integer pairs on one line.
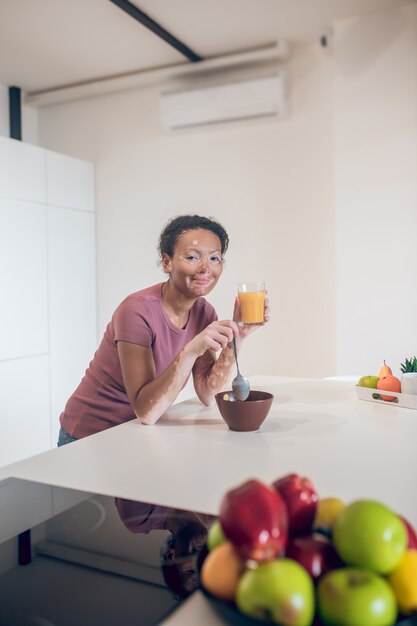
{"points": [[187, 535], [95, 559]]}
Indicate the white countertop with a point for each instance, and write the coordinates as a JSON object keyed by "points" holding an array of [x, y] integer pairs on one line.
{"points": [[194, 610], [348, 447]]}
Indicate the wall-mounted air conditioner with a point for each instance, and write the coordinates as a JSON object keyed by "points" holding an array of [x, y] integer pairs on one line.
{"points": [[255, 97]]}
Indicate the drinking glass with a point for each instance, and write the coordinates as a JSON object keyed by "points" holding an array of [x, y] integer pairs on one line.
{"points": [[252, 302]]}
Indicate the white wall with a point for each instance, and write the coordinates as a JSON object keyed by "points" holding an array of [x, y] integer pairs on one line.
{"points": [[376, 190], [4, 111], [269, 182], [309, 201]]}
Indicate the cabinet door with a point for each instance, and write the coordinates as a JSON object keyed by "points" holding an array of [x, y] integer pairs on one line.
{"points": [[23, 279], [72, 301], [25, 408], [69, 182]]}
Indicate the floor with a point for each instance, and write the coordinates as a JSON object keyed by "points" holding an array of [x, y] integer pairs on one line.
{"points": [[49, 592]]}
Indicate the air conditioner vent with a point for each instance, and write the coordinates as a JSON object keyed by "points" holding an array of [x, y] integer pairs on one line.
{"points": [[257, 97]]}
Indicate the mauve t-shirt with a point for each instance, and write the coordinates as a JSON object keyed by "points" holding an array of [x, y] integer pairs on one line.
{"points": [[100, 400]]}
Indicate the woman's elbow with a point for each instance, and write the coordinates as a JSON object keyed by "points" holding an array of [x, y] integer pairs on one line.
{"points": [[147, 419], [207, 400]]}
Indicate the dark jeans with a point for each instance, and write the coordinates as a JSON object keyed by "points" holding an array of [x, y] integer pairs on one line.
{"points": [[64, 438]]}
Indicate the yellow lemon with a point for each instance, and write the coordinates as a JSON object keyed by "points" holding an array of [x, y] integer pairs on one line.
{"points": [[327, 512], [221, 571], [403, 581]]}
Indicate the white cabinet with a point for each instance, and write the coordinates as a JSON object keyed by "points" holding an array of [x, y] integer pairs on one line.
{"points": [[48, 291], [72, 310], [23, 279], [70, 182], [25, 408]]}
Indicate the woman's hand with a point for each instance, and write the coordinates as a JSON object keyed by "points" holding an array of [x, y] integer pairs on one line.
{"points": [[247, 329], [214, 337]]}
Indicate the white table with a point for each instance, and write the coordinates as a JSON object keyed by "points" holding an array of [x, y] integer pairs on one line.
{"points": [[194, 610], [348, 447]]}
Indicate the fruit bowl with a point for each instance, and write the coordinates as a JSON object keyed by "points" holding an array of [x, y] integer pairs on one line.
{"points": [[246, 416], [229, 613], [277, 553]]}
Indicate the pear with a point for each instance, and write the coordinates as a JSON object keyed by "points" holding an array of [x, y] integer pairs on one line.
{"points": [[385, 371]]}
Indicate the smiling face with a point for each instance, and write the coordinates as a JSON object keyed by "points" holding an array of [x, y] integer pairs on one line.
{"points": [[196, 264]]}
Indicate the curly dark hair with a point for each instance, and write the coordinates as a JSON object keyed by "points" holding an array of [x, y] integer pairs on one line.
{"points": [[179, 225]]}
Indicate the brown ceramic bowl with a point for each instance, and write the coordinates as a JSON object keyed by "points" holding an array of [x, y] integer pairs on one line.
{"points": [[244, 416]]}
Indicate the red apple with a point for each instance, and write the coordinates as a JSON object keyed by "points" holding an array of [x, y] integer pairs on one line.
{"points": [[301, 499], [315, 553], [253, 517], [411, 534]]}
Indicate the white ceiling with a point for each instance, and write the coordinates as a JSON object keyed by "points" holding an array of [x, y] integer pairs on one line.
{"points": [[46, 44]]}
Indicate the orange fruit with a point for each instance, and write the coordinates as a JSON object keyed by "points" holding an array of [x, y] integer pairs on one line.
{"points": [[221, 571], [389, 383], [403, 581]]}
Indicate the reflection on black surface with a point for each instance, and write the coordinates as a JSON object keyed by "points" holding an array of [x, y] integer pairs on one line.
{"points": [[95, 559], [187, 536]]}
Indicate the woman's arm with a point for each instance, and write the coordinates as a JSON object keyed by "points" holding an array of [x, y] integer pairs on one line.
{"points": [[211, 375], [151, 396]]}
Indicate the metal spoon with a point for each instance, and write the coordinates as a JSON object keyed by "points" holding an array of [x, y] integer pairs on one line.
{"points": [[240, 384]]}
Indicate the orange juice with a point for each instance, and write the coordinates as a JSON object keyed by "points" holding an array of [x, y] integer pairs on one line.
{"points": [[252, 306]]}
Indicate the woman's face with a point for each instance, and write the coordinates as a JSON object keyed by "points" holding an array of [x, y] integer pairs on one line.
{"points": [[196, 264]]}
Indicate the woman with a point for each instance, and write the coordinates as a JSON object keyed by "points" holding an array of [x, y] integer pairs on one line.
{"points": [[157, 337]]}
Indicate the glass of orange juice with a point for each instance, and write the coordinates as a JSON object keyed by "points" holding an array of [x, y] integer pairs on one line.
{"points": [[252, 302]]}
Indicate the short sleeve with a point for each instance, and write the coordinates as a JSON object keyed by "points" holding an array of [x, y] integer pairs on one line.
{"points": [[130, 322]]}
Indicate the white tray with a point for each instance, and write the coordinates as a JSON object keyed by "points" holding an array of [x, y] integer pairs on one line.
{"points": [[405, 400]]}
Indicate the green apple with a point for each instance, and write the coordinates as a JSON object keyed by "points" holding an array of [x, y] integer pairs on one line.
{"points": [[368, 381], [356, 597], [215, 536], [368, 534], [280, 591]]}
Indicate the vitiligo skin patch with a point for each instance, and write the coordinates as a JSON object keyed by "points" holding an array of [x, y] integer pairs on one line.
{"points": [[214, 372]]}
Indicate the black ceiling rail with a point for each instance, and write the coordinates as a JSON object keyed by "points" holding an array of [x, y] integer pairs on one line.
{"points": [[15, 113], [147, 21]]}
